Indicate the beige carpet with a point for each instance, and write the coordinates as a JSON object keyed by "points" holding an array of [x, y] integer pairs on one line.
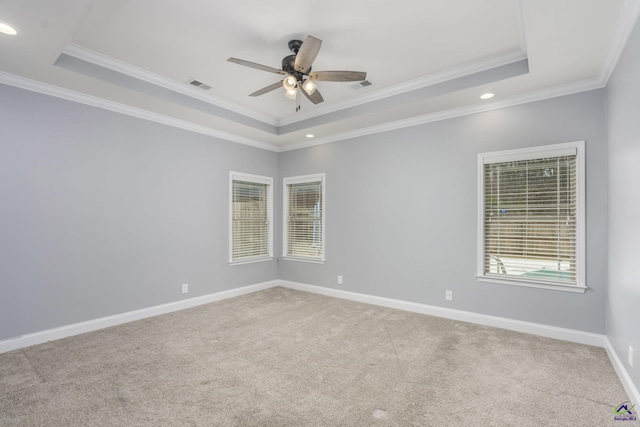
{"points": [[288, 358]]}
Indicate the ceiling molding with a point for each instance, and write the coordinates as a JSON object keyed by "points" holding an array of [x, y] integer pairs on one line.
{"points": [[69, 95], [412, 85], [562, 36], [626, 23], [408, 98], [46, 89], [526, 98], [107, 62], [113, 64]]}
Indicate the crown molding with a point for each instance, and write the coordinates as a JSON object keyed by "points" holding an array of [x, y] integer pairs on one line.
{"points": [[411, 85], [627, 20], [107, 62], [526, 98], [113, 64], [70, 95], [55, 91], [628, 17]]}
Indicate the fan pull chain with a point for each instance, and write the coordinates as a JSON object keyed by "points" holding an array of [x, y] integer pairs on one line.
{"points": [[298, 98]]}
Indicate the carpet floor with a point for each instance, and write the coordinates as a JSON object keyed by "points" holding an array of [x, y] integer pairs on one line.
{"points": [[281, 357]]}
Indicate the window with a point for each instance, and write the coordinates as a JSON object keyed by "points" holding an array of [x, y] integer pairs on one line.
{"points": [[250, 216], [304, 218], [531, 217]]}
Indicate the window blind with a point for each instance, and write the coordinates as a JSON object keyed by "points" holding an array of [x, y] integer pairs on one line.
{"points": [[250, 220], [530, 214], [305, 210]]}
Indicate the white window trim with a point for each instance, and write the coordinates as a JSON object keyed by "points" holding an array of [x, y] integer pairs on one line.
{"points": [[318, 177], [532, 153], [239, 176]]}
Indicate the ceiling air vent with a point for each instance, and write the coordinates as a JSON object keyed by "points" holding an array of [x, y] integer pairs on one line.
{"points": [[196, 83], [361, 84]]}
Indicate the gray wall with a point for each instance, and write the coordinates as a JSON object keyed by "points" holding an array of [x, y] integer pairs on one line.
{"points": [[102, 213], [623, 303], [401, 211]]}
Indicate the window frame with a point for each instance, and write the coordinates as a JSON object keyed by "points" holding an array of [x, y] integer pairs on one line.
{"points": [[531, 153], [302, 179], [256, 179]]}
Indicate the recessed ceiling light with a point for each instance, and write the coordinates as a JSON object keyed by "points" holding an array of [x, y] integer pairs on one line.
{"points": [[309, 135], [7, 29], [487, 96]]}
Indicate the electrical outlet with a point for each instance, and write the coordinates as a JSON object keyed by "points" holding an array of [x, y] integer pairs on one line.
{"points": [[448, 295], [339, 280], [630, 356], [185, 288]]}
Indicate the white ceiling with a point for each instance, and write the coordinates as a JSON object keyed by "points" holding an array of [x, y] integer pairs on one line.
{"points": [[426, 60]]}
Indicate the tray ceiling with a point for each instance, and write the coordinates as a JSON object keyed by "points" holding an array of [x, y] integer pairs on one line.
{"points": [[424, 59]]}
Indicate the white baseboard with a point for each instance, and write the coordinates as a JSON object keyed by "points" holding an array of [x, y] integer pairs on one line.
{"points": [[463, 316], [564, 334], [118, 319], [625, 379]]}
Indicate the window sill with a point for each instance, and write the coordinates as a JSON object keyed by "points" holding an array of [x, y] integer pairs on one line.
{"points": [[250, 260], [300, 259], [533, 284]]}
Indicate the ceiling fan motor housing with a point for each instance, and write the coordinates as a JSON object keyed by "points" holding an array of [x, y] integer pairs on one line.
{"points": [[288, 66]]}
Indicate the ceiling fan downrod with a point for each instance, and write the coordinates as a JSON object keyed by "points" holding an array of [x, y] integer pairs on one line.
{"points": [[294, 46]]}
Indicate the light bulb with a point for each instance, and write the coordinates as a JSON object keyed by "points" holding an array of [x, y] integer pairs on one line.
{"points": [[309, 87], [290, 93], [289, 83]]}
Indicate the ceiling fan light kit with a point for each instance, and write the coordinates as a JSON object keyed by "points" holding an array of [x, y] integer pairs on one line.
{"points": [[291, 93], [309, 87], [289, 83], [297, 69]]}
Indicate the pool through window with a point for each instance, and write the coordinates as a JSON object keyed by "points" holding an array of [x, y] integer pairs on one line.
{"points": [[531, 217]]}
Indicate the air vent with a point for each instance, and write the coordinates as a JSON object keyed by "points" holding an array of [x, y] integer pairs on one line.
{"points": [[361, 84], [196, 83]]}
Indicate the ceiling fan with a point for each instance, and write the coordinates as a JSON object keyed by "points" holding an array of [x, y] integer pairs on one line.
{"points": [[297, 69]]}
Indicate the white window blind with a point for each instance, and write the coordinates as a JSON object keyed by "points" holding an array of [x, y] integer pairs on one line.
{"points": [[532, 217], [251, 217], [304, 217]]}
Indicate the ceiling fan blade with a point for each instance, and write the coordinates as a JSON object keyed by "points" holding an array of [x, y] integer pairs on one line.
{"points": [[307, 54], [267, 89], [257, 66], [338, 76], [315, 97]]}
